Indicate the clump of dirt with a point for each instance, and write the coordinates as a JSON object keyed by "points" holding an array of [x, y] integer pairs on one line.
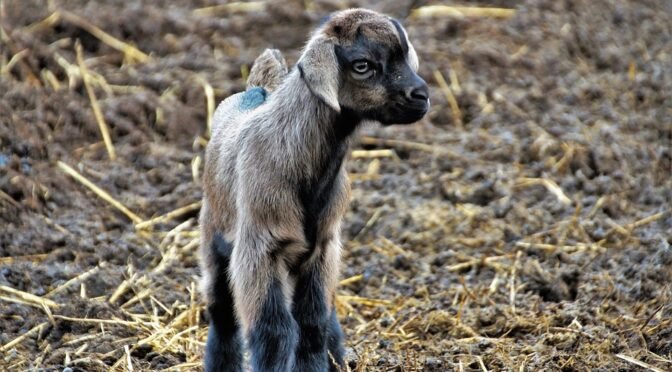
{"points": [[525, 223]]}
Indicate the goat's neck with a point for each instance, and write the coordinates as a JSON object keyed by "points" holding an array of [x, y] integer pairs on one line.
{"points": [[317, 133]]}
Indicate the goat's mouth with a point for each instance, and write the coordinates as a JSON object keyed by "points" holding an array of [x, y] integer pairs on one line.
{"points": [[406, 113]]}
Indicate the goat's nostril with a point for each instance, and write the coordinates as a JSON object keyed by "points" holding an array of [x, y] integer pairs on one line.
{"points": [[420, 93]]}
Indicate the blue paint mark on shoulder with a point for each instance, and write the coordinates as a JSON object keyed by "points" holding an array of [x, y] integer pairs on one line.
{"points": [[4, 159], [253, 98]]}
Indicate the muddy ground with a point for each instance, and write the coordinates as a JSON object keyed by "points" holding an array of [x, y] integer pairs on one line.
{"points": [[524, 226]]}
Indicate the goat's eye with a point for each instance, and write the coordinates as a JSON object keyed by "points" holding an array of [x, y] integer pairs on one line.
{"points": [[362, 69]]}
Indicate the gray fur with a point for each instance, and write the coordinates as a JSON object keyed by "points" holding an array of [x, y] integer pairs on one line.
{"points": [[258, 164]]}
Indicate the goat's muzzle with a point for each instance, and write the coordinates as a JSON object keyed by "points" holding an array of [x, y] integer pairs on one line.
{"points": [[411, 104]]}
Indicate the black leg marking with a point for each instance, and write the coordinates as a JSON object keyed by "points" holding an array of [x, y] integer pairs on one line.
{"points": [[310, 312], [335, 343], [273, 337], [223, 350]]}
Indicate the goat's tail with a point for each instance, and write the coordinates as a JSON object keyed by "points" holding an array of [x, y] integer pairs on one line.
{"points": [[268, 71]]}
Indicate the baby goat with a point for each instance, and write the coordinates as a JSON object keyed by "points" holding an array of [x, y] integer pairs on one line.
{"points": [[276, 190]]}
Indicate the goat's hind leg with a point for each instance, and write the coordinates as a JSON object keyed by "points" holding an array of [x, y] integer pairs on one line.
{"points": [[223, 350]]}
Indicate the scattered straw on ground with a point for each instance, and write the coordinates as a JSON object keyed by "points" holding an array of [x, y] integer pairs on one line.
{"points": [[524, 225]]}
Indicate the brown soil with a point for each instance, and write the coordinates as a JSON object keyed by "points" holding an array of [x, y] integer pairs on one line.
{"points": [[530, 231]]}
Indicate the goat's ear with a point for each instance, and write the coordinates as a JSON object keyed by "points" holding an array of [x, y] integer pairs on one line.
{"points": [[319, 68]]}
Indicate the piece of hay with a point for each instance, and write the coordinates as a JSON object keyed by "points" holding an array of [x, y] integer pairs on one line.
{"points": [[433, 11], [98, 191], [97, 113]]}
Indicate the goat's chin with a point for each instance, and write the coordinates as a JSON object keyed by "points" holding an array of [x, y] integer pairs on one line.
{"points": [[395, 113], [403, 114], [404, 120]]}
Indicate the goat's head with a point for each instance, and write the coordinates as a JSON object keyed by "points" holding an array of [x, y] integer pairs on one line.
{"points": [[362, 61]]}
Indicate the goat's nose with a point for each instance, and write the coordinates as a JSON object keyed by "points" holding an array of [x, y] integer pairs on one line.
{"points": [[418, 91]]}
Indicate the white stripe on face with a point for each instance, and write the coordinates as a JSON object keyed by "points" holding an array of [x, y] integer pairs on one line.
{"points": [[411, 55]]}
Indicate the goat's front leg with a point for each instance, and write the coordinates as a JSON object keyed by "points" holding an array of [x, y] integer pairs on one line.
{"points": [[319, 331], [261, 289], [335, 343]]}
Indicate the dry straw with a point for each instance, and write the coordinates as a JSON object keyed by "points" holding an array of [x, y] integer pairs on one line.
{"points": [[100, 119], [98, 191], [175, 328], [433, 11]]}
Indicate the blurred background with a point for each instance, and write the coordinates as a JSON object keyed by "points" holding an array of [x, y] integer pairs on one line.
{"points": [[523, 224]]}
